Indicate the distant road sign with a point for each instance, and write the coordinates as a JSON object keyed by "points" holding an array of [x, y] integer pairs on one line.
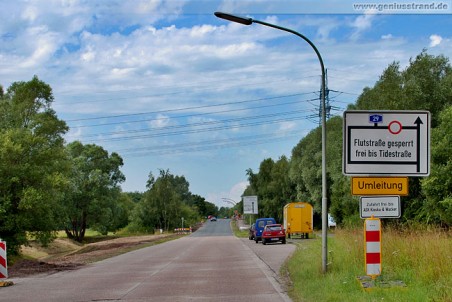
{"points": [[380, 186], [380, 206], [386, 143], [250, 205]]}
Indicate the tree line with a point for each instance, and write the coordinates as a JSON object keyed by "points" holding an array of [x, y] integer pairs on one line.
{"points": [[425, 84], [47, 185]]}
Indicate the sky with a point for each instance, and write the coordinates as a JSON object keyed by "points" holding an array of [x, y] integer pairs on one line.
{"points": [[169, 86]]}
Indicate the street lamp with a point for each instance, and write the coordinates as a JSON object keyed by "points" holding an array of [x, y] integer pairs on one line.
{"points": [[249, 21], [229, 200]]}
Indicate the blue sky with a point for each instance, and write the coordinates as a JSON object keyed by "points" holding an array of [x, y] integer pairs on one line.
{"points": [[168, 85]]}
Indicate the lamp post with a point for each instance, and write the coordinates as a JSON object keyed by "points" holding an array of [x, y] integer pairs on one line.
{"points": [[249, 21], [229, 200]]}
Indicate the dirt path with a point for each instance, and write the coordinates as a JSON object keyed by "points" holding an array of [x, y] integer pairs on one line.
{"points": [[64, 254]]}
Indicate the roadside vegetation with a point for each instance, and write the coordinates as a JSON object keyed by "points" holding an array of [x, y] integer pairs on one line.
{"points": [[48, 185], [419, 257], [237, 231], [425, 84]]}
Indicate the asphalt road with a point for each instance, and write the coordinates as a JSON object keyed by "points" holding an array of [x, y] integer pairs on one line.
{"points": [[209, 265]]}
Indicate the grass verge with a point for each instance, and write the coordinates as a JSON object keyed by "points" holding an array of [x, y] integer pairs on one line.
{"points": [[236, 230], [420, 258]]}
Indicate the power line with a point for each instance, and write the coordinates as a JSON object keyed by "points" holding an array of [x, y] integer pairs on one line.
{"points": [[188, 108], [206, 146], [205, 86], [210, 142], [196, 131], [198, 124]]}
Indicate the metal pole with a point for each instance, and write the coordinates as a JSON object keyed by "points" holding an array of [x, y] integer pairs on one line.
{"points": [[249, 21], [229, 200]]}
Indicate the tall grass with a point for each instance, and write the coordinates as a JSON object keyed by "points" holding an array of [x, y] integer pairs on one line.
{"points": [[421, 258]]}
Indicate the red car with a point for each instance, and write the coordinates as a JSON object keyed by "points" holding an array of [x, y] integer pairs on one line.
{"points": [[273, 233]]}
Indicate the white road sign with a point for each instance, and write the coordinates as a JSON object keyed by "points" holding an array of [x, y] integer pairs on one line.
{"points": [[379, 206], [386, 143], [249, 204]]}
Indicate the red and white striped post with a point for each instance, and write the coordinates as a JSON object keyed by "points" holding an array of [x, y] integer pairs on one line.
{"points": [[3, 262], [372, 246]]}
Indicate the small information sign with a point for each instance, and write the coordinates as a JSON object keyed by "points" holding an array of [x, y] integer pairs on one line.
{"points": [[379, 206]]}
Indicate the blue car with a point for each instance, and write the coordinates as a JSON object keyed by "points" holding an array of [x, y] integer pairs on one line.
{"points": [[251, 232], [259, 227]]}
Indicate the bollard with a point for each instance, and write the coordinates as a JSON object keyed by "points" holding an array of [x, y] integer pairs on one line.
{"points": [[372, 246], [3, 261]]}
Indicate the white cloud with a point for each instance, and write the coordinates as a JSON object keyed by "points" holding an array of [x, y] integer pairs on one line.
{"points": [[113, 59], [435, 40], [284, 126], [88, 55], [160, 121], [201, 31], [30, 13], [41, 47], [361, 24], [238, 189]]}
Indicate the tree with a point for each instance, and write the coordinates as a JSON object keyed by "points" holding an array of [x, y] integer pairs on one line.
{"points": [[136, 196], [163, 204], [425, 84], [438, 202], [92, 197], [211, 209], [306, 169], [201, 205], [121, 212], [33, 164], [273, 186]]}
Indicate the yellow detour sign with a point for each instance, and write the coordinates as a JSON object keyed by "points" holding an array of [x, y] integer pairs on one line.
{"points": [[380, 186]]}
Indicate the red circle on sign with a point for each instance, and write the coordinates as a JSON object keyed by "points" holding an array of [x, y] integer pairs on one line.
{"points": [[395, 129]]}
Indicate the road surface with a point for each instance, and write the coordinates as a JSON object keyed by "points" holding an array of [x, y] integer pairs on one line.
{"points": [[209, 265]]}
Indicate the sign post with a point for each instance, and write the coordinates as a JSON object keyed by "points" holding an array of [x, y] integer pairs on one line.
{"points": [[378, 144]]}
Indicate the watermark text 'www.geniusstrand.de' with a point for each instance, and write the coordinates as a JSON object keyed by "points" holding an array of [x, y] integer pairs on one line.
{"points": [[403, 7]]}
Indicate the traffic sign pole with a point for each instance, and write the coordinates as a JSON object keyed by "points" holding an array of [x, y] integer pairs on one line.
{"points": [[378, 144]]}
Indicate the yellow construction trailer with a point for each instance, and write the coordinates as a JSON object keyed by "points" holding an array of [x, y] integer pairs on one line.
{"points": [[298, 219]]}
